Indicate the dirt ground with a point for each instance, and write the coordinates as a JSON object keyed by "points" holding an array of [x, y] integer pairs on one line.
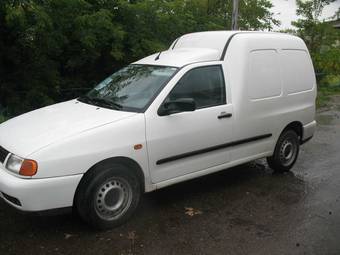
{"points": [[243, 210]]}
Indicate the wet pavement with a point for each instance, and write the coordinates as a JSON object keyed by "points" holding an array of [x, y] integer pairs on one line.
{"points": [[243, 210]]}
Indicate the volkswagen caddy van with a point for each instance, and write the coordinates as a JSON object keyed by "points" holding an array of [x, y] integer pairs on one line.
{"points": [[213, 100]]}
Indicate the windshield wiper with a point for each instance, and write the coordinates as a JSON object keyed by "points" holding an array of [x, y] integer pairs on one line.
{"points": [[101, 102], [84, 98], [106, 102]]}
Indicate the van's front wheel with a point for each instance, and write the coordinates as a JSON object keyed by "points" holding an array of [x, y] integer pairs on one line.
{"points": [[286, 152], [108, 197]]}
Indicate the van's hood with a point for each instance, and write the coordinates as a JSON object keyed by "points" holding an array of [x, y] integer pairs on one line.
{"points": [[32, 131]]}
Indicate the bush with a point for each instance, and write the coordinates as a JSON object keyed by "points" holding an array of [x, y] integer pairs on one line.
{"points": [[52, 47], [328, 85], [331, 81], [2, 118]]}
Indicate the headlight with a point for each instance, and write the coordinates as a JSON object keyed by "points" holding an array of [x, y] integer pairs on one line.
{"points": [[18, 165], [14, 163]]}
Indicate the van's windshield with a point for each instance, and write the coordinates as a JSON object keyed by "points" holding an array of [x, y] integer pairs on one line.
{"points": [[131, 89]]}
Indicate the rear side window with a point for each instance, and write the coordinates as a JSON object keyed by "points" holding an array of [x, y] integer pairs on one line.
{"points": [[297, 71], [264, 74], [204, 84]]}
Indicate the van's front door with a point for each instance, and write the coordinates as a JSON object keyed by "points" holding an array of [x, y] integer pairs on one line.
{"points": [[186, 142]]}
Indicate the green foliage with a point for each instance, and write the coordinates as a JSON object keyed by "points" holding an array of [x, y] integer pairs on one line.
{"points": [[49, 48], [324, 95], [331, 81], [321, 38], [323, 43], [2, 118], [311, 10]]}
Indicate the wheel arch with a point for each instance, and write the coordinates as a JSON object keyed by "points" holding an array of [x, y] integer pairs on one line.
{"points": [[124, 161], [297, 127]]}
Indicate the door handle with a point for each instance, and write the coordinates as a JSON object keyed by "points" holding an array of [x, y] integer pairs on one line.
{"points": [[224, 115]]}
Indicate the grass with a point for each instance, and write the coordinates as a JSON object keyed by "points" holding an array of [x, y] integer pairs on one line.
{"points": [[324, 94], [327, 86]]}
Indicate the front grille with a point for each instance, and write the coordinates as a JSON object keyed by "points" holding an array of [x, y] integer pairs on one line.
{"points": [[3, 154]]}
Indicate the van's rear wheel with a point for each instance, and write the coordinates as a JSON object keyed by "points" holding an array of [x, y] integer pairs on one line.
{"points": [[108, 197], [286, 152]]}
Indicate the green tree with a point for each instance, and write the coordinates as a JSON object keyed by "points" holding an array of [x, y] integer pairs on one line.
{"points": [[51, 48], [320, 37]]}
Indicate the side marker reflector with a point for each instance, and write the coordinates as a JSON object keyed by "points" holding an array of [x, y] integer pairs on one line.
{"points": [[138, 146]]}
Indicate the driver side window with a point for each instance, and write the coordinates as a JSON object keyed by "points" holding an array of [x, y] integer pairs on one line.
{"points": [[203, 84]]}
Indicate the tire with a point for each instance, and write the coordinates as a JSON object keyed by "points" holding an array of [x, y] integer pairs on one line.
{"points": [[286, 152], [108, 196]]}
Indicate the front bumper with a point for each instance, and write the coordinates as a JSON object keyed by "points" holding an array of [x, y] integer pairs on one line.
{"points": [[38, 194]]}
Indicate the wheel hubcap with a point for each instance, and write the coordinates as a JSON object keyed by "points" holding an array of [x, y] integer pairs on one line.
{"points": [[113, 198], [288, 152]]}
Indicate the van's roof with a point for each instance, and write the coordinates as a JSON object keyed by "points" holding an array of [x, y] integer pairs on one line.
{"points": [[198, 47]]}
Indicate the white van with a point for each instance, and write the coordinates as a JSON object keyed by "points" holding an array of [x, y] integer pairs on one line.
{"points": [[212, 101]]}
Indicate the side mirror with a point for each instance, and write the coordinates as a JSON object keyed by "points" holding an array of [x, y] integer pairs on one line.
{"points": [[176, 106]]}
